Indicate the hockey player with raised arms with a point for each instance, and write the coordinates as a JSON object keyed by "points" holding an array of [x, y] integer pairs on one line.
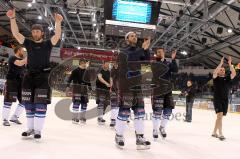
{"points": [[36, 93], [162, 104], [130, 67]]}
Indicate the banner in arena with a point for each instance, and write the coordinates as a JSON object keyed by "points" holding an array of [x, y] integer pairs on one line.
{"points": [[89, 54]]}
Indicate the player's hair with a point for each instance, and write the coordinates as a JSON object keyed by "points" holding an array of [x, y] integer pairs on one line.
{"points": [[37, 27], [159, 49], [82, 61], [17, 48]]}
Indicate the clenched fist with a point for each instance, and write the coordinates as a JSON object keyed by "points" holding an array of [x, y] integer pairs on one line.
{"points": [[58, 17], [11, 13]]}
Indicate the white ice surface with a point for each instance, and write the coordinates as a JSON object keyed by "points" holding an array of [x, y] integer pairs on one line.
{"points": [[63, 140]]}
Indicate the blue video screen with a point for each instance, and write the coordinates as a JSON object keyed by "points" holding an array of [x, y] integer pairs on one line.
{"points": [[132, 11]]}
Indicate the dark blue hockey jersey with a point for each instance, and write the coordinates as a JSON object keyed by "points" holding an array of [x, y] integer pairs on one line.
{"points": [[172, 67], [131, 58]]}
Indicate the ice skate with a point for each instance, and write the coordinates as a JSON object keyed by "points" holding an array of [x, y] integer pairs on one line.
{"points": [[113, 123], [83, 120], [75, 121], [119, 139], [163, 132], [142, 143], [28, 133], [155, 135], [15, 120], [101, 121], [37, 135], [6, 122]]}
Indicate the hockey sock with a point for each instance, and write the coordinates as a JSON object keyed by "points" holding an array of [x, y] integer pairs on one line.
{"points": [[6, 110]]}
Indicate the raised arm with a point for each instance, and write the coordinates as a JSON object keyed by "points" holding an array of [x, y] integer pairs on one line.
{"points": [[14, 28], [215, 72], [145, 46], [233, 72], [173, 65], [58, 29]]}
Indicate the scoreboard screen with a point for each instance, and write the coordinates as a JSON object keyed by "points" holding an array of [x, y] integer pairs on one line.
{"points": [[132, 11]]}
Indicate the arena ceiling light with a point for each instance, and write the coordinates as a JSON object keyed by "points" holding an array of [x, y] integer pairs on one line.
{"points": [[63, 36], [29, 5], [50, 28], [230, 30], [184, 53], [40, 17], [76, 12], [78, 47]]}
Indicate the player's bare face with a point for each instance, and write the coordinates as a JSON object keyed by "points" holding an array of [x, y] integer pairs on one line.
{"points": [[83, 64], [221, 72], [160, 53], [132, 39], [106, 65], [37, 35], [189, 83]]}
